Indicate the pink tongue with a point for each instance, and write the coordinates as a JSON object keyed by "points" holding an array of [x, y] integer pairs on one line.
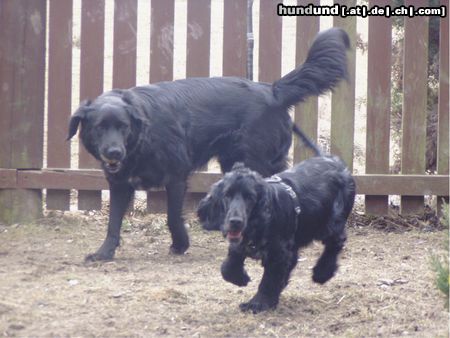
{"points": [[233, 235]]}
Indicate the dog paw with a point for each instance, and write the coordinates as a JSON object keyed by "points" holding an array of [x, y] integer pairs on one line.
{"points": [[241, 279], [178, 249], [258, 304], [180, 240], [105, 252], [321, 276], [100, 256], [237, 277]]}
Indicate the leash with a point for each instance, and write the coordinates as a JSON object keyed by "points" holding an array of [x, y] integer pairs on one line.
{"points": [[288, 188]]}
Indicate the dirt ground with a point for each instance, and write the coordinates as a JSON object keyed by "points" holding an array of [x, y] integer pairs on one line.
{"points": [[384, 287]]}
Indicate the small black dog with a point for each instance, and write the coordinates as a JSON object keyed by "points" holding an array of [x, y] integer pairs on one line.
{"points": [[270, 219], [156, 135]]}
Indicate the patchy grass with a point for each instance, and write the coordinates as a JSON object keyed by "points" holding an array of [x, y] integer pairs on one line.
{"points": [[384, 286]]}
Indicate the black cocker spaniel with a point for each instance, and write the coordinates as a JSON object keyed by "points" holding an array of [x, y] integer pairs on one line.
{"points": [[270, 219]]}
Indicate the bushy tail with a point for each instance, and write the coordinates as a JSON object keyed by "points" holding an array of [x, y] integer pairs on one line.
{"points": [[305, 139], [325, 66]]}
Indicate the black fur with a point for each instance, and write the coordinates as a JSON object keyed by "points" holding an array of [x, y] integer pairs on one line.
{"points": [[260, 222], [156, 135]]}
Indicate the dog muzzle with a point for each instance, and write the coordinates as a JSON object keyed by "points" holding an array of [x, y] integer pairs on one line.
{"points": [[234, 236], [112, 166]]}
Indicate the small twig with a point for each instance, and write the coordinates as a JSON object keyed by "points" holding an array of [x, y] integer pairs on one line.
{"points": [[323, 301], [340, 300]]}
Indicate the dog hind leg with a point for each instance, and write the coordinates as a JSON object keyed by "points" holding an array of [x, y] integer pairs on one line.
{"points": [[175, 197], [326, 266], [292, 263]]}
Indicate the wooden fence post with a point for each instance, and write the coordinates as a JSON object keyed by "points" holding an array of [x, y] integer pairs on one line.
{"points": [[343, 98], [161, 68], [22, 83], [235, 38], [161, 40], [59, 95], [198, 38], [378, 103], [415, 77], [443, 109], [198, 53], [269, 42], [125, 40], [91, 82], [306, 114]]}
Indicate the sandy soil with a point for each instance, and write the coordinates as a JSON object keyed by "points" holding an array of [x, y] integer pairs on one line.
{"points": [[384, 286]]}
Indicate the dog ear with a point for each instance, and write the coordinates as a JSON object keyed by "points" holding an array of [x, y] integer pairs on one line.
{"points": [[211, 209], [76, 118], [262, 207], [132, 102]]}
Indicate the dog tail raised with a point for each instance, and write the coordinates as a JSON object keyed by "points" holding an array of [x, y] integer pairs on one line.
{"points": [[325, 66], [305, 139]]}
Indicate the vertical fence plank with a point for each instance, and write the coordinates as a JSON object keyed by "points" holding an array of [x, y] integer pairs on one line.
{"points": [[161, 40], [59, 94], [125, 39], [443, 107], [269, 41], [343, 98], [22, 78], [235, 38], [378, 103], [161, 68], [306, 113], [415, 76], [91, 81], [198, 38], [198, 57], [125, 47]]}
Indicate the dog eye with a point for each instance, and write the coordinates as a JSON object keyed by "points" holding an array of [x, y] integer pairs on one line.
{"points": [[122, 126], [226, 198], [125, 127], [100, 128], [248, 196]]}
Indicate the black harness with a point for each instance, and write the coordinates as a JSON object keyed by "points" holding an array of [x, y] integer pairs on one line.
{"points": [[277, 179]]}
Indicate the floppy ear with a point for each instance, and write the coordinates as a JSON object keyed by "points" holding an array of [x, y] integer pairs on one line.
{"points": [[76, 118], [132, 101], [261, 212], [211, 209]]}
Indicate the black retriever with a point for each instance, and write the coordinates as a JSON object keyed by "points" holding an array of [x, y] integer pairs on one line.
{"points": [[270, 219], [156, 135]]}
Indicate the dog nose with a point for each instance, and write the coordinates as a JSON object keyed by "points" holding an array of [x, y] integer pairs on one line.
{"points": [[114, 153], [236, 223]]}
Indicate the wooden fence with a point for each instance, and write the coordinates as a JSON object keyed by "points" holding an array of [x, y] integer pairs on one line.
{"points": [[24, 56]]}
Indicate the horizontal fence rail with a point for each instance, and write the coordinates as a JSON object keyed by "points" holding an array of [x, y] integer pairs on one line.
{"points": [[200, 182], [39, 170]]}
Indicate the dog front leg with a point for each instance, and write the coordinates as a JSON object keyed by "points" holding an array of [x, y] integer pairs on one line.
{"points": [[232, 268], [175, 197], [276, 273], [120, 197]]}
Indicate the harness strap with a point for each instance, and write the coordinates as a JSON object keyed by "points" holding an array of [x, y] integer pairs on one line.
{"points": [[288, 188]]}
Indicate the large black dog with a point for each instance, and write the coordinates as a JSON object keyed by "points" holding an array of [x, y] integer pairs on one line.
{"points": [[156, 135], [270, 219]]}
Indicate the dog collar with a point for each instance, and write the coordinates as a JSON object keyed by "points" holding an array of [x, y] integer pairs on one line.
{"points": [[288, 188]]}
